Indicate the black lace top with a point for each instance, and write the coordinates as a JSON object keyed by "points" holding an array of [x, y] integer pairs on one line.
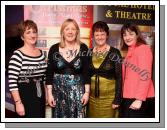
{"points": [[111, 68]]}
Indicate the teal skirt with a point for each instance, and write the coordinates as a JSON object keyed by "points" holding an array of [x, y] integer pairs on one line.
{"points": [[68, 91]]}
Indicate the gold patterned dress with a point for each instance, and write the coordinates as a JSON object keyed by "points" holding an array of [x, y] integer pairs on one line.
{"points": [[105, 85]]}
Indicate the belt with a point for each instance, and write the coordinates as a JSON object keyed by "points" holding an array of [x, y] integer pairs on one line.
{"points": [[36, 80]]}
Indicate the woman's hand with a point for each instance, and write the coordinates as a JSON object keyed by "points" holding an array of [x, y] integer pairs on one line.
{"points": [[51, 100], [20, 108], [85, 98], [114, 106], [136, 105]]}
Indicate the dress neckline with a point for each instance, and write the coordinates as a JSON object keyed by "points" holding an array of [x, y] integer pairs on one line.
{"points": [[29, 55], [101, 65], [69, 62]]}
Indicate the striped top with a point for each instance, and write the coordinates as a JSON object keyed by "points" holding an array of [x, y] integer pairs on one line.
{"points": [[24, 66]]}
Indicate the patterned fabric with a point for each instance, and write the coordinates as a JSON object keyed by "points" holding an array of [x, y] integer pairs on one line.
{"points": [[68, 91]]}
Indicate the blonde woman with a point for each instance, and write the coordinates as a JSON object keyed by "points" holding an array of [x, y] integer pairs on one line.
{"points": [[67, 75]]}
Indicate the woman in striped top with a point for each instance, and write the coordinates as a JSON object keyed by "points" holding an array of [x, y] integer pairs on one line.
{"points": [[27, 69]]}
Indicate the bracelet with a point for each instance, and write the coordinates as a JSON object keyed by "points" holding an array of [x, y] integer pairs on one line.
{"points": [[87, 92]]}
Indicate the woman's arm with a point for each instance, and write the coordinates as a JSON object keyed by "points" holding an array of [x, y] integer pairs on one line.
{"points": [[85, 97], [50, 68], [86, 75], [118, 78], [50, 97], [49, 76], [15, 64], [144, 58], [18, 103]]}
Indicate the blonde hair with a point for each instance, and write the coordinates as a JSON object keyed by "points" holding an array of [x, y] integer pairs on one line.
{"points": [[65, 23]]}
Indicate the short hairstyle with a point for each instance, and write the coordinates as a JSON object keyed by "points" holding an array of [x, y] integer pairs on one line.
{"points": [[65, 23], [27, 24], [100, 26]]}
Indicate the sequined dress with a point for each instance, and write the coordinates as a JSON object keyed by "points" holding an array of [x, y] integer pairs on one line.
{"points": [[68, 80]]}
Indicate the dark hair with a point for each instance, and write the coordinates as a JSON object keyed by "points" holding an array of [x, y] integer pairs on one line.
{"points": [[27, 24], [100, 26], [134, 28]]}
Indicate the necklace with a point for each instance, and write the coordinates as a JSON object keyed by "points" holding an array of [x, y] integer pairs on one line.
{"points": [[101, 52], [101, 49], [71, 52], [70, 47]]}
